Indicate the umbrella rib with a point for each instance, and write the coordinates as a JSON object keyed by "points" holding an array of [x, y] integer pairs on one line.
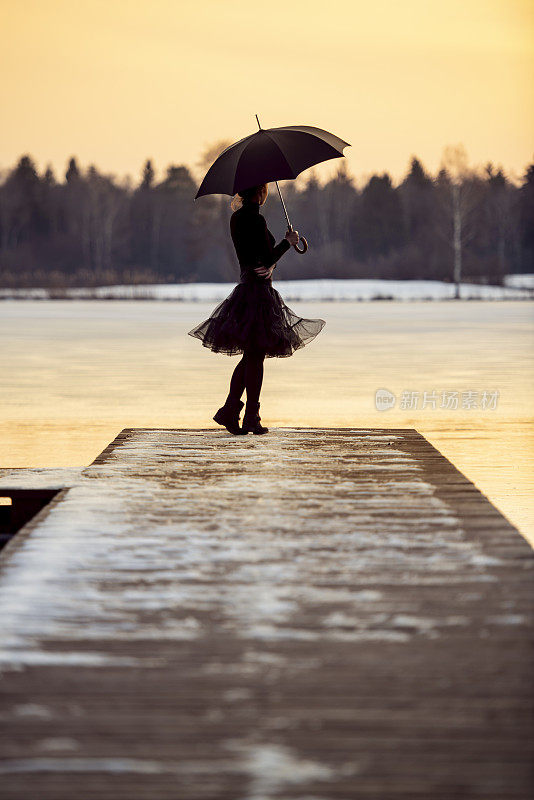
{"points": [[236, 168], [240, 156], [281, 151]]}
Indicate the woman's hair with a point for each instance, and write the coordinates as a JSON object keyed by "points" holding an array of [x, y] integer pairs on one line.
{"points": [[250, 193]]}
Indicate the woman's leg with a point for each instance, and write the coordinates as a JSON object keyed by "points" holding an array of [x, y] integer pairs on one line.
{"points": [[253, 376], [237, 382]]}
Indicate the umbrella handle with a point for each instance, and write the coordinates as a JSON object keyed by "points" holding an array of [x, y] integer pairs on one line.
{"points": [[304, 245], [301, 239]]}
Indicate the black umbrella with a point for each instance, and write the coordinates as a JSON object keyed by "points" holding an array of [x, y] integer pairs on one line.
{"points": [[270, 154]]}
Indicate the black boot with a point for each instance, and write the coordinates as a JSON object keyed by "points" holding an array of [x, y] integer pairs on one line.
{"points": [[228, 415], [251, 420]]}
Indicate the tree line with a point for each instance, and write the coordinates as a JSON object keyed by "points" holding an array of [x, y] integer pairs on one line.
{"points": [[89, 228]]}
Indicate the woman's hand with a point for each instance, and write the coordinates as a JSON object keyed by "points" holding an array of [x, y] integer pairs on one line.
{"points": [[264, 272], [292, 237]]}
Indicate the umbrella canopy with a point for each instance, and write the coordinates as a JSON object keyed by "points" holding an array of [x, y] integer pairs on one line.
{"points": [[270, 154]]}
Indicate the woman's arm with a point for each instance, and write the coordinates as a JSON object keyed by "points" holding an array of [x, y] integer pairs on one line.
{"points": [[268, 253]]}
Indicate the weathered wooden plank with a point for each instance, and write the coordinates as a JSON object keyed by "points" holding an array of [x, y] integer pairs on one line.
{"points": [[326, 613]]}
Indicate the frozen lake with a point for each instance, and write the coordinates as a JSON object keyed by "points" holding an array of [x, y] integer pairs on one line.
{"points": [[74, 373]]}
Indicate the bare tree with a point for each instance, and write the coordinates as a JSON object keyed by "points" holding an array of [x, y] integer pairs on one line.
{"points": [[457, 199], [105, 200], [217, 205], [210, 153]]}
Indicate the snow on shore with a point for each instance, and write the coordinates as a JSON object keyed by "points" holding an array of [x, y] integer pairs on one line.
{"points": [[517, 287], [520, 281]]}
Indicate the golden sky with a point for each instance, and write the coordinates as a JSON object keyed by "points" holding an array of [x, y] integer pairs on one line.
{"points": [[116, 81]]}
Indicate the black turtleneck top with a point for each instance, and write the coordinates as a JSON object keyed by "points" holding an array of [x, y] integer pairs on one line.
{"points": [[253, 241]]}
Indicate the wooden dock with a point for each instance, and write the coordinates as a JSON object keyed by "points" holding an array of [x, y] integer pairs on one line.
{"points": [[313, 614]]}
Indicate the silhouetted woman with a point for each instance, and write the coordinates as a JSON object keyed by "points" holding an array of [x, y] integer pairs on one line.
{"points": [[253, 319]]}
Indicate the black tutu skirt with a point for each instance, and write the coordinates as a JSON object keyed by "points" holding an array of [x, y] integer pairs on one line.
{"points": [[255, 316]]}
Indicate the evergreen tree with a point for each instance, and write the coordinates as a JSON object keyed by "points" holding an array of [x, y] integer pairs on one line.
{"points": [[526, 220], [73, 173], [147, 179], [416, 193], [380, 224]]}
